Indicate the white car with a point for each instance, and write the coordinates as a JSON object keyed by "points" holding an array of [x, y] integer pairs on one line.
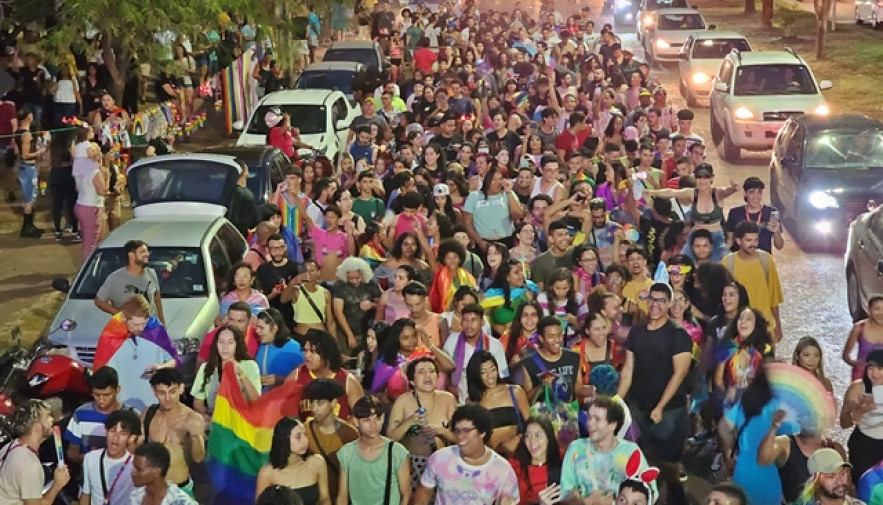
{"points": [[755, 92], [701, 57], [322, 117], [869, 11], [664, 32], [180, 202], [647, 7]]}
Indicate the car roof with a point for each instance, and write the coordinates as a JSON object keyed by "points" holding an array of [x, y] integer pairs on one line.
{"points": [[715, 34], [352, 66], [839, 121], [163, 231], [250, 155], [352, 44], [676, 10], [769, 58], [298, 96]]}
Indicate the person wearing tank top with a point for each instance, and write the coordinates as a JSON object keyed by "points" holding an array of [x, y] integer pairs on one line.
{"points": [[863, 408], [322, 359], [548, 184], [868, 334]]}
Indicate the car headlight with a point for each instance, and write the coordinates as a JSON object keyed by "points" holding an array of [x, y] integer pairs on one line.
{"points": [[822, 200], [700, 78], [822, 110], [661, 44], [743, 113]]}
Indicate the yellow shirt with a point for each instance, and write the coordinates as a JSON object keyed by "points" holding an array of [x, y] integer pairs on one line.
{"points": [[764, 291], [638, 291]]}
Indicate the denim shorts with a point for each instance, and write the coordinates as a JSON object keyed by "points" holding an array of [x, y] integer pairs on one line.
{"points": [[27, 177]]}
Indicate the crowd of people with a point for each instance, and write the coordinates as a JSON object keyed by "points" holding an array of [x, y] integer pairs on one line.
{"points": [[517, 285]]}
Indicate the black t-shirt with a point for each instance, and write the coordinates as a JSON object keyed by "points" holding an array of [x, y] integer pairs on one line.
{"points": [[268, 276], [658, 236], [449, 144], [509, 141], [566, 368], [739, 214], [653, 368]]}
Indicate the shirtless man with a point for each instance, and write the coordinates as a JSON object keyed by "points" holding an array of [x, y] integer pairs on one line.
{"points": [[176, 426]]}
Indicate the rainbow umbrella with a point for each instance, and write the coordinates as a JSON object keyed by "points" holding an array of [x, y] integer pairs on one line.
{"points": [[807, 402]]}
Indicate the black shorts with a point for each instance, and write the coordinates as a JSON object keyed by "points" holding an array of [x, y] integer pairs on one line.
{"points": [[395, 61]]}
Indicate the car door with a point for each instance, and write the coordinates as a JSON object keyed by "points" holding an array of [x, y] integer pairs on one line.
{"points": [[718, 98], [791, 162], [870, 250], [220, 265], [684, 60]]}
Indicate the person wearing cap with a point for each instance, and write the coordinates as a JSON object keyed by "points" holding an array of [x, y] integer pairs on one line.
{"points": [[628, 65], [830, 482], [863, 408], [373, 466], [706, 212], [766, 217]]}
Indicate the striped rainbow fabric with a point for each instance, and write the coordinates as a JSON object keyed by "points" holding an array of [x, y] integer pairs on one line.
{"points": [[239, 444], [239, 94]]}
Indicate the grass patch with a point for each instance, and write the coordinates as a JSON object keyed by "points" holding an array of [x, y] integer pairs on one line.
{"points": [[853, 53]]}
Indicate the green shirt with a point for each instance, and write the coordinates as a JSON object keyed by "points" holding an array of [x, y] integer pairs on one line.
{"points": [[370, 210], [367, 479]]}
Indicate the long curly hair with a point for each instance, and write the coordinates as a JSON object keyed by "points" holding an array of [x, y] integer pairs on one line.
{"points": [[214, 362]]}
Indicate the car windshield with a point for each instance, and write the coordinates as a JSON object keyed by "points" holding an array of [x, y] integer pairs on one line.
{"points": [[180, 270], [366, 56], [718, 48], [653, 5], [680, 22], [341, 80], [309, 119], [785, 79], [845, 149]]}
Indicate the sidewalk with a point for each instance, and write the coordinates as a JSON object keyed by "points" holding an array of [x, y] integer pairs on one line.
{"points": [[844, 10]]}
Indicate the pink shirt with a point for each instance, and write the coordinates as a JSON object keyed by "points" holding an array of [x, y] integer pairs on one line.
{"points": [[405, 224], [327, 242]]}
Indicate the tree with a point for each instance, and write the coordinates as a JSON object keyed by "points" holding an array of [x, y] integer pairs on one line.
{"points": [[750, 8], [822, 9], [767, 15]]}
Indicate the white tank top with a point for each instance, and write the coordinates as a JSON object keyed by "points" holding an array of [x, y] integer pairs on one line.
{"points": [[549, 192]]}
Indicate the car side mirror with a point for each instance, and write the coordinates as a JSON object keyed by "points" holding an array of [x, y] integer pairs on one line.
{"points": [[61, 284], [825, 85], [238, 126], [683, 56], [880, 267], [721, 86]]}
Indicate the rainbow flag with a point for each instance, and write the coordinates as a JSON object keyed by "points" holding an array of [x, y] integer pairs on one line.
{"points": [[239, 98], [444, 285], [239, 444]]}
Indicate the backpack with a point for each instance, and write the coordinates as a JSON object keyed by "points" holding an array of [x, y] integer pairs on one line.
{"points": [[730, 262]]}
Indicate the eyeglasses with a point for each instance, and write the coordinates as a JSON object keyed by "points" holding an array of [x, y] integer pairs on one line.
{"points": [[652, 300], [588, 260], [680, 299]]}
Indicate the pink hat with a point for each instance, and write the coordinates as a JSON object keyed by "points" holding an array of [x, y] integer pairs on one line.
{"points": [[630, 133]]}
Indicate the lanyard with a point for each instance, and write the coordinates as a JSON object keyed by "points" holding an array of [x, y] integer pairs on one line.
{"points": [[759, 215], [108, 492]]}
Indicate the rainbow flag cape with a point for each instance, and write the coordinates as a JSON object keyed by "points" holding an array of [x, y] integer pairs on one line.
{"points": [[494, 298], [371, 255], [115, 334], [444, 285], [239, 444]]}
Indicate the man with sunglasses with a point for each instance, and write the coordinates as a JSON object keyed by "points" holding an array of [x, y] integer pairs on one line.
{"points": [[658, 356]]}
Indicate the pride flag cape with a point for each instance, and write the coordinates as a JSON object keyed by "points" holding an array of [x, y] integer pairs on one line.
{"points": [[444, 285], [115, 334], [239, 444], [494, 298]]}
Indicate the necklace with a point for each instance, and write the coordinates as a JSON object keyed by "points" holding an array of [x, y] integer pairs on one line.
{"points": [[477, 461]]}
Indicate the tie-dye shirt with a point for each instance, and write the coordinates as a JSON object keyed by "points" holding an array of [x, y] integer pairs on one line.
{"points": [[585, 469], [459, 483]]}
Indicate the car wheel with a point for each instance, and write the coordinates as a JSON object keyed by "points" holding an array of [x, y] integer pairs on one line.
{"points": [[716, 132], [682, 88], [732, 152], [651, 59], [853, 298]]}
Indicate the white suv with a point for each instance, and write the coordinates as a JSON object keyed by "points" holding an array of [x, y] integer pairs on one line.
{"points": [[754, 93]]}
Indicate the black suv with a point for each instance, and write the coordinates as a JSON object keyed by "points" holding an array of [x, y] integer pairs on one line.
{"points": [[823, 173]]}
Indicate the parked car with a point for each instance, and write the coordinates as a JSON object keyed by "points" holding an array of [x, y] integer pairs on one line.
{"points": [[700, 59], [266, 167], [646, 7], [322, 117], [864, 260], [336, 75], [665, 31], [366, 52], [869, 11], [180, 201], [823, 172], [754, 93]]}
